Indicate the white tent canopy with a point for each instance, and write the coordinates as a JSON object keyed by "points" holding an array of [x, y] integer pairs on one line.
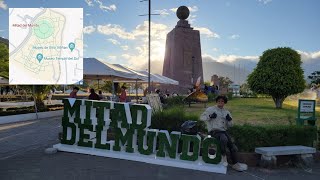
{"points": [[167, 80], [140, 76], [156, 78], [96, 69]]}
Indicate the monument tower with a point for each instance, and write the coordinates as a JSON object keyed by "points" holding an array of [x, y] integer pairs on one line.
{"points": [[183, 61]]}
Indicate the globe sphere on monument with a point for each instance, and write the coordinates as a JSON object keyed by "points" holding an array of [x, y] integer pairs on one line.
{"points": [[183, 12]]}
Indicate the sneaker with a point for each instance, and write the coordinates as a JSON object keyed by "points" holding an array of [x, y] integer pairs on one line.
{"points": [[240, 167], [244, 166], [224, 161]]}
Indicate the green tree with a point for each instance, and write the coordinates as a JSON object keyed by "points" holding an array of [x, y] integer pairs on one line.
{"points": [[245, 90], [315, 77], [224, 81], [4, 61], [107, 86], [39, 93], [278, 74]]}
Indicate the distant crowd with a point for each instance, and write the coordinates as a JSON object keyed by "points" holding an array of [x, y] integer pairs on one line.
{"points": [[94, 96]]}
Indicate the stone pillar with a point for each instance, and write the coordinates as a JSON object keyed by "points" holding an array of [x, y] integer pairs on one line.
{"points": [[183, 61]]}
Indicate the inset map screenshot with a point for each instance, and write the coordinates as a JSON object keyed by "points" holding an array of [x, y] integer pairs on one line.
{"points": [[46, 45]]}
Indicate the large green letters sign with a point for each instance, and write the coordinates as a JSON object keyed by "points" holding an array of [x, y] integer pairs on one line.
{"points": [[87, 126]]}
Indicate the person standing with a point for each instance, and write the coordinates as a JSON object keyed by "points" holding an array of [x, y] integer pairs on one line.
{"points": [[93, 95], [218, 120], [123, 95], [49, 97], [101, 95], [74, 92]]}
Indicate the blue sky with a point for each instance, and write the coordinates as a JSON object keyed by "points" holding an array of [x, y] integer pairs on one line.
{"points": [[231, 30]]}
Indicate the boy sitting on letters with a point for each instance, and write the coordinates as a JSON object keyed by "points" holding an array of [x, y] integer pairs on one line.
{"points": [[218, 120]]}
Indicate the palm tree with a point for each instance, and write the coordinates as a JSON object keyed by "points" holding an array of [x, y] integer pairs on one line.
{"points": [[39, 93]]}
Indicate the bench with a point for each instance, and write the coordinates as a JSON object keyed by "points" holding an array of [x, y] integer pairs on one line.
{"points": [[269, 159]]}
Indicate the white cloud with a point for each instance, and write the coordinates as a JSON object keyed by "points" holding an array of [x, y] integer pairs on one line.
{"points": [[126, 56], [162, 12], [138, 53], [305, 56], [112, 58], [89, 2], [114, 29], [310, 61], [103, 7], [247, 63], [141, 50], [230, 58], [114, 41], [89, 29], [136, 59], [265, 1], [215, 49], [156, 66], [112, 7], [125, 48], [88, 14], [174, 10], [234, 36], [193, 9], [158, 31], [234, 58], [192, 19], [3, 5], [207, 32]]}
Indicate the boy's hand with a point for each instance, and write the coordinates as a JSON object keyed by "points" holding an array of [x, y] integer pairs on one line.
{"points": [[228, 118], [213, 115]]}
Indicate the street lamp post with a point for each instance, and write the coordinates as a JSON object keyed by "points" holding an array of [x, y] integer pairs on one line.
{"points": [[149, 40]]}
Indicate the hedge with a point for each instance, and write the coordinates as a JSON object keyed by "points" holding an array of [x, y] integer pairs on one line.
{"points": [[172, 119], [174, 101], [26, 110], [248, 137]]}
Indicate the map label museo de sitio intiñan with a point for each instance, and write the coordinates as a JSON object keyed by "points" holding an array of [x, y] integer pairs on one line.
{"points": [[46, 45]]}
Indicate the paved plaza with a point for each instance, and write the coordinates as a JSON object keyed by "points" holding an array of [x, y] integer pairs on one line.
{"points": [[22, 156]]}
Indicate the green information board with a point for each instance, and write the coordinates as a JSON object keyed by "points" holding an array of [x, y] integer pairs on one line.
{"points": [[306, 112]]}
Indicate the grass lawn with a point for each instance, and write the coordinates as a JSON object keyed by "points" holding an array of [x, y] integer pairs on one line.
{"points": [[257, 111]]}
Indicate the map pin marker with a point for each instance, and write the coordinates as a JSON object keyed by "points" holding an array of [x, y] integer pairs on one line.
{"points": [[71, 46], [39, 57]]}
